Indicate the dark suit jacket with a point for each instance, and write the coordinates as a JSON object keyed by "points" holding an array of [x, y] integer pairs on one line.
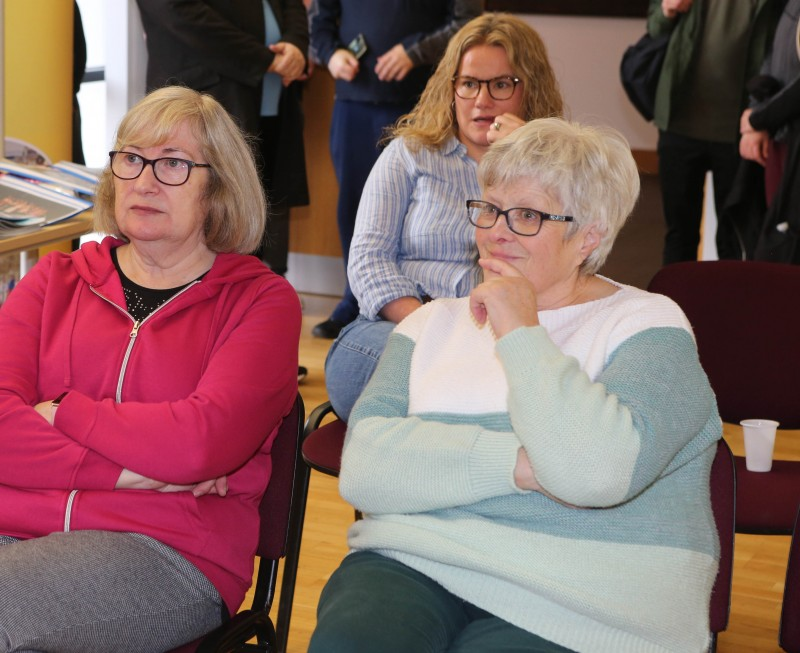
{"points": [[217, 47]]}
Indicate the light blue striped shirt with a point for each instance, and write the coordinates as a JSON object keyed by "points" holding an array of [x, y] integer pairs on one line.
{"points": [[412, 236]]}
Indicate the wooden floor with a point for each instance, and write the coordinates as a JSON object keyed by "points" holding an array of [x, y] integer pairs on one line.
{"points": [[759, 564]]}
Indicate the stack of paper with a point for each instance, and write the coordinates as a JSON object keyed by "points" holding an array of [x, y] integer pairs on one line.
{"points": [[25, 206]]}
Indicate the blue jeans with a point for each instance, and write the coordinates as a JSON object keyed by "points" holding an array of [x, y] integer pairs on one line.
{"points": [[373, 603], [351, 361]]}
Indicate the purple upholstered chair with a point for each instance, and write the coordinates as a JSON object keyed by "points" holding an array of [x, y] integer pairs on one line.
{"points": [[746, 318], [281, 512], [789, 637], [723, 503], [322, 443]]}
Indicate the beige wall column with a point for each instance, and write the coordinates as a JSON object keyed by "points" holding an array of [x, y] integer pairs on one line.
{"points": [[38, 74]]}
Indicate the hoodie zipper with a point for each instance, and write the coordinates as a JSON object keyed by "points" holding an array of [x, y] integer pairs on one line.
{"points": [[137, 324]]}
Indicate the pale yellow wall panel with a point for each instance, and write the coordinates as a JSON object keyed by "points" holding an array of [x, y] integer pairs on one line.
{"points": [[38, 74]]}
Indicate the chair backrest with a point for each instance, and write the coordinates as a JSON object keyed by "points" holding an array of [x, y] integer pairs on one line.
{"points": [[281, 514], [276, 504], [789, 636], [282, 511], [323, 443], [745, 316], [723, 503]]}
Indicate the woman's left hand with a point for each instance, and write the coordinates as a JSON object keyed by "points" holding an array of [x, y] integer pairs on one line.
{"points": [[506, 299], [502, 126]]}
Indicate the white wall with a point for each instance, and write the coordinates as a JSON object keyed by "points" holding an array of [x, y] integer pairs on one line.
{"points": [[585, 53], [114, 41], [126, 60]]}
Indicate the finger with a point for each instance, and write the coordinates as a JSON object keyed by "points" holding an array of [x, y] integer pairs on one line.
{"points": [[477, 308], [384, 70], [764, 151], [201, 489], [500, 268], [222, 486]]}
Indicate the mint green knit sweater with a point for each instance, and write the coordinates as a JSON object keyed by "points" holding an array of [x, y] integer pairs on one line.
{"points": [[614, 411]]}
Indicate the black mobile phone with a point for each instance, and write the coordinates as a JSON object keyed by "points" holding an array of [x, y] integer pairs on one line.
{"points": [[358, 46]]}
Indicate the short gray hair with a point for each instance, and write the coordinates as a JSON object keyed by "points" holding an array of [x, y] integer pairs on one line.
{"points": [[589, 170]]}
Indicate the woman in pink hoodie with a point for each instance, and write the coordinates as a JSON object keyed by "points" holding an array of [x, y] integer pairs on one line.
{"points": [[142, 381]]}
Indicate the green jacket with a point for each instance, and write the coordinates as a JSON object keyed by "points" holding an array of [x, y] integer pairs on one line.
{"points": [[686, 30]]}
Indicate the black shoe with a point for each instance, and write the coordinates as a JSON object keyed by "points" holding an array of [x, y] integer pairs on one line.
{"points": [[302, 373], [330, 329]]}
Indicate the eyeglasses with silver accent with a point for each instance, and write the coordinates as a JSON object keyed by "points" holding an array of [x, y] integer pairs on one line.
{"points": [[169, 170], [500, 88], [523, 222]]}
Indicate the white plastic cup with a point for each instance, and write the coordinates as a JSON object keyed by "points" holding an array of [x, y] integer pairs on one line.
{"points": [[759, 442]]}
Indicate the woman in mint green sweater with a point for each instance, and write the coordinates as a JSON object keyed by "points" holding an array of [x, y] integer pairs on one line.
{"points": [[533, 460]]}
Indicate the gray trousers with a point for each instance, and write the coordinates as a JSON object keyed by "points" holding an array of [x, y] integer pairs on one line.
{"points": [[98, 591]]}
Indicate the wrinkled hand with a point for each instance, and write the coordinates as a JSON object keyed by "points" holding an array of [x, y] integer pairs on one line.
{"points": [[507, 122], [394, 64], [129, 480], [289, 62], [505, 298], [343, 65], [671, 8]]}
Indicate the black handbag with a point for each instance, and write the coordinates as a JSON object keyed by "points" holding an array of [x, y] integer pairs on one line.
{"points": [[640, 69]]}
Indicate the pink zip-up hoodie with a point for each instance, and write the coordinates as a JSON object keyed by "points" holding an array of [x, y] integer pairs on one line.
{"points": [[194, 391]]}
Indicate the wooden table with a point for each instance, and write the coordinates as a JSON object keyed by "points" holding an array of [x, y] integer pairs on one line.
{"points": [[67, 230]]}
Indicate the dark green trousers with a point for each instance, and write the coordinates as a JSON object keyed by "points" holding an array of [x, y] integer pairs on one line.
{"points": [[374, 604]]}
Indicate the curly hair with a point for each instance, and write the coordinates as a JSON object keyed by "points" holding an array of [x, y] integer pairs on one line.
{"points": [[432, 121]]}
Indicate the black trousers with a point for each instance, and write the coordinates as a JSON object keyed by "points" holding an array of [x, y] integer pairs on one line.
{"points": [[683, 163], [274, 249]]}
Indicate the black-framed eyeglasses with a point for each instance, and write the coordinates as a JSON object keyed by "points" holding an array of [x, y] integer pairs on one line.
{"points": [[523, 222], [169, 170], [500, 88]]}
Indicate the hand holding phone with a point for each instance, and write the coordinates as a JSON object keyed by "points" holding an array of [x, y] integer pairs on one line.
{"points": [[358, 46]]}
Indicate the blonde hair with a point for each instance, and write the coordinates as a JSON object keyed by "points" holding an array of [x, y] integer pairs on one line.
{"points": [[233, 198], [432, 121], [589, 170]]}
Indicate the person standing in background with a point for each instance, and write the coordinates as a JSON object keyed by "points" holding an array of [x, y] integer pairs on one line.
{"points": [[78, 71], [395, 46], [715, 47], [250, 55], [770, 129]]}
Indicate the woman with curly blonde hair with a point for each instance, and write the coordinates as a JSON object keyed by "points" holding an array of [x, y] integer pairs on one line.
{"points": [[411, 242], [433, 121]]}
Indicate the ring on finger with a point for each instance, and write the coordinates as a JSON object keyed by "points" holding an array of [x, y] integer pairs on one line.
{"points": [[496, 126]]}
